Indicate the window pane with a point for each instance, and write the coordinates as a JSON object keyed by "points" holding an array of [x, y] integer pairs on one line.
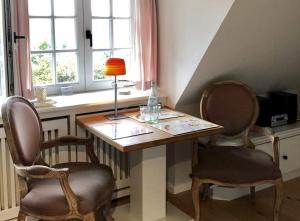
{"points": [[100, 8], [101, 33], [42, 69], [121, 33], [66, 67], [64, 8], [99, 59], [39, 7], [40, 34], [121, 8], [65, 33]]}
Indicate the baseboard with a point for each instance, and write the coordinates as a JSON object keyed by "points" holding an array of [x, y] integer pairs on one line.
{"points": [[229, 194], [291, 175], [175, 189]]}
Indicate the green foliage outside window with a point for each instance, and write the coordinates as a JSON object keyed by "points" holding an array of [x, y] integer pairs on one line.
{"points": [[42, 68], [98, 69], [99, 73], [66, 70]]}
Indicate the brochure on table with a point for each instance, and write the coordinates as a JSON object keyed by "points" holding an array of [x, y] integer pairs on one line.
{"points": [[184, 125]]}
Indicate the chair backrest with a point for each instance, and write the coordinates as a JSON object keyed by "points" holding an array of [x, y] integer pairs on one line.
{"points": [[231, 104], [23, 130]]}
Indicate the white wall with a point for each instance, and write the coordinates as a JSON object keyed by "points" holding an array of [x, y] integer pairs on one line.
{"points": [[258, 43], [186, 28]]}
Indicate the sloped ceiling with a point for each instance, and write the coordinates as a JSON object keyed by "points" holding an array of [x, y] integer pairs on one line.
{"points": [[258, 43], [186, 29]]}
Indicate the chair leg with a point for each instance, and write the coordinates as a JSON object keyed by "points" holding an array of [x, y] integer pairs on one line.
{"points": [[252, 194], [278, 198], [196, 198], [107, 212], [21, 216], [89, 217]]}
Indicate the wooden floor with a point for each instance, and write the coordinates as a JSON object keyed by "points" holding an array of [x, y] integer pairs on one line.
{"points": [[242, 209]]}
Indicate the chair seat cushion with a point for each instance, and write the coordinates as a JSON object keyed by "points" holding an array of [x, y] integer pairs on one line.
{"points": [[92, 184], [235, 165]]}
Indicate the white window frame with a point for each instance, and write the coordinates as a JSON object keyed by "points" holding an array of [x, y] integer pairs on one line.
{"points": [[3, 90], [84, 17]]}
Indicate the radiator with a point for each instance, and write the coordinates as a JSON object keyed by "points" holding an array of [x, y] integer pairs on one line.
{"points": [[109, 156], [9, 195]]}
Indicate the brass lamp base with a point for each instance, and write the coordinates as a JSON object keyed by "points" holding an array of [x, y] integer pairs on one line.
{"points": [[114, 117]]}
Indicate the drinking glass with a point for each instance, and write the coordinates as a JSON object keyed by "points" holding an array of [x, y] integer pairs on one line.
{"points": [[154, 114], [144, 113], [41, 93]]}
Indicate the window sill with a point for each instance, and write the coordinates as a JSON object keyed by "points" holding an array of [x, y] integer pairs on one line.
{"points": [[101, 100]]}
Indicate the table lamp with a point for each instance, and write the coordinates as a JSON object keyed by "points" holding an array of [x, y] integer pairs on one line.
{"points": [[115, 67]]}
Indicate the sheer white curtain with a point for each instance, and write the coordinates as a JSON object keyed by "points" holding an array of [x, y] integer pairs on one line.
{"points": [[145, 42], [22, 64]]}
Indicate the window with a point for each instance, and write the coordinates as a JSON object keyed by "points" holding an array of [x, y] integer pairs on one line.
{"points": [[56, 54], [2, 55], [71, 40], [110, 22]]}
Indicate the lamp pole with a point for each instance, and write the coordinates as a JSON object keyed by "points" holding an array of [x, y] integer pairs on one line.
{"points": [[116, 97]]}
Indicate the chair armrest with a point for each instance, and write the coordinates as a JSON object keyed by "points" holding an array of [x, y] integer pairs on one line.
{"points": [[44, 172], [71, 140], [195, 150], [41, 172], [275, 142], [66, 140], [202, 145], [195, 153]]}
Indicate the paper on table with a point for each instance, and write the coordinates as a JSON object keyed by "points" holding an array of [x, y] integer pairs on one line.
{"points": [[182, 126], [118, 130]]}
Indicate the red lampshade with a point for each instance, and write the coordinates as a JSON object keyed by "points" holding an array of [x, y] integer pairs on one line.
{"points": [[114, 67]]}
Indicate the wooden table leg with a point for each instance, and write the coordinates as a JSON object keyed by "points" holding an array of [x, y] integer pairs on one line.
{"points": [[148, 184]]}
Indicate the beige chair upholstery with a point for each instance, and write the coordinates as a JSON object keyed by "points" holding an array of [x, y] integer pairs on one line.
{"points": [[64, 191], [234, 106]]}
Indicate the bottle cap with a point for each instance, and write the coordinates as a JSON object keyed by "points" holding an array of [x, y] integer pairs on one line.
{"points": [[153, 83]]}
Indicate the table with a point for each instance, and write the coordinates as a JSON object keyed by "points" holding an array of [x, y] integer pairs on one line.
{"points": [[147, 164]]}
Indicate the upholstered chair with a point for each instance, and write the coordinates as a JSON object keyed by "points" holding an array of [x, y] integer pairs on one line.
{"points": [[64, 191], [234, 106]]}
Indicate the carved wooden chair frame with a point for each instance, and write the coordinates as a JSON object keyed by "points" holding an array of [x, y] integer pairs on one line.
{"points": [[203, 184], [41, 170]]}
